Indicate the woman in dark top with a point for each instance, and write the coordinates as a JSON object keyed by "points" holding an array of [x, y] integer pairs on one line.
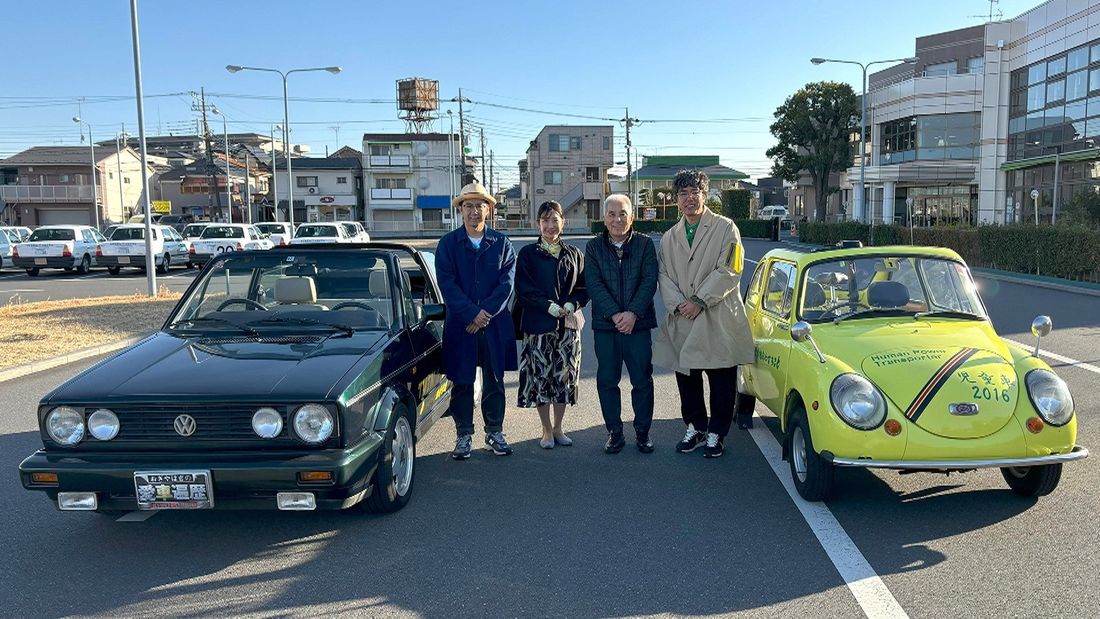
{"points": [[550, 293]]}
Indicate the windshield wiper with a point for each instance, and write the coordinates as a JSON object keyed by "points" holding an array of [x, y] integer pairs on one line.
{"points": [[348, 331], [948, 314], [212, 319], [872, 310]]}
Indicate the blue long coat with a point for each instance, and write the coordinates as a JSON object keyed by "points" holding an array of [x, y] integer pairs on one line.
{"points": [[473, 280]]}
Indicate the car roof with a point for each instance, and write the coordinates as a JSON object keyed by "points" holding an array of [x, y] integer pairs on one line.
{"points": [[805, 254], [62, 227]]}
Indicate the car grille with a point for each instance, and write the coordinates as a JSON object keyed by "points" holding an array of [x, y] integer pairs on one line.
{"points": [[212, 423]]}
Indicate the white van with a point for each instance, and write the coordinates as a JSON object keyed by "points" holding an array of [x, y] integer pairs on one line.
{"points": [[769, 212]]}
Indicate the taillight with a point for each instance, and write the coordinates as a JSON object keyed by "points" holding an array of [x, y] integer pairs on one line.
{"points": [[282, 240], [240, 247], [192, 250], [15, 251], [98, 251], [67, 252]]}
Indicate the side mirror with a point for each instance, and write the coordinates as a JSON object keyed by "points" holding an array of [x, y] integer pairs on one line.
{"points": [[433, 311], [1040, 328], [801, 331]]}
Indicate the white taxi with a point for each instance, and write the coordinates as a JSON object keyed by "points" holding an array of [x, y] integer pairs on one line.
{"points": [[312, 234], [126, 248], [356, 232], [58, 247], [220, 238], [280, 231]]}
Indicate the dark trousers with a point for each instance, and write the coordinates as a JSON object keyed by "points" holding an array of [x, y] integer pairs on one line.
{"points": [[613, 350], [492, 395], [723, 394]]}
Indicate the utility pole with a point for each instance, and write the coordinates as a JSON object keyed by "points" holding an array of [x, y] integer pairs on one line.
{"points": [[462, 130], [629, 122], [247, 190], [211, 183], [483, 180], [491, 163]]}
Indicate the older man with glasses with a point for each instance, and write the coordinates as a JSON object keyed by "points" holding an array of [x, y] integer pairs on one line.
{"points": [[705, 329], [476, 268]]}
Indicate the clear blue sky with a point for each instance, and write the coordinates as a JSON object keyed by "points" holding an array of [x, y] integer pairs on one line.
{"points": [[699, 60]]}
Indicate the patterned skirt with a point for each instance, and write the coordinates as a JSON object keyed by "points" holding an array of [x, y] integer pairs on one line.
{"points": [[549, 368]]}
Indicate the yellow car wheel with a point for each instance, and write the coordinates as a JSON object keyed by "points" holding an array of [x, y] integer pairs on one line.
{"points": [[813, 476], [1033, 481]]}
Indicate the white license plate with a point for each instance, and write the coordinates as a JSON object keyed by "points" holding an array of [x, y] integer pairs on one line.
{"points": [[157, 490], [124, 260], [40, 261]]}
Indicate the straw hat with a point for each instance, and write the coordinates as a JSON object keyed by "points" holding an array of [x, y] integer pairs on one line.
{"points": [[473, 191]]}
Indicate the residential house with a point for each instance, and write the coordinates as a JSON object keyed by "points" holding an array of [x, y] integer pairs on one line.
{"points": [[325, 189], [568, 164], [409, 179], [199, 188]]}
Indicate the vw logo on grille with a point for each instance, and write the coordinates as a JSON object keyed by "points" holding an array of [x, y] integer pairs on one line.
{"points": [[184, 425]]}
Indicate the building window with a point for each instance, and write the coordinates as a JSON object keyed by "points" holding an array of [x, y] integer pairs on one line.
{"points": [[1036, 97], [975, 65], [1077, 85], [560, 143], [306, 181], [607, 142], [1037, 73], [551, 177], [126, 180], [943, 68], [933, 137], [382, 149], [389, 183], [1056, 66], [64, 178], [1077, 59], [341, 180], [592, 175]]}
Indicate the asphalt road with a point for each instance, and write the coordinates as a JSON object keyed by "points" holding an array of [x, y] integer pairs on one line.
{"points": [[574, 532]]}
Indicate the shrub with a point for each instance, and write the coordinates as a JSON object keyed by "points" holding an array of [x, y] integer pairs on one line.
{"points": [[750, 228], [735, 204]]}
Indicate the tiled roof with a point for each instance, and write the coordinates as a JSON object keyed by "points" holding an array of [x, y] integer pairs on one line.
{"points": [[56, 155]]}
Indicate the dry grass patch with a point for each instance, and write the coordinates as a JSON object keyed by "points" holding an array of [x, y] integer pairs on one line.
{"points": [[34, 331]]}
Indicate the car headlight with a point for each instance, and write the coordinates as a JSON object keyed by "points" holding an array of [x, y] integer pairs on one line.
{"points": [[313, 423], [267, 423], [1050, 396], [103, 424], [857, 402], [65, 425]]}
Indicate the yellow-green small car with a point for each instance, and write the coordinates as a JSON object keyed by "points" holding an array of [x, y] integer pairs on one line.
{"points": [[884, 357]]}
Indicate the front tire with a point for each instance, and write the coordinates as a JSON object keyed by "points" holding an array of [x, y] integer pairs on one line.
{"points": [[165, 264], [1033, 481], [393, 479], [813, 476]]}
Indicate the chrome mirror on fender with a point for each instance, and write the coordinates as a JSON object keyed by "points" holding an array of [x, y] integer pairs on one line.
{"points": [[803, 332], [1040, 328]]}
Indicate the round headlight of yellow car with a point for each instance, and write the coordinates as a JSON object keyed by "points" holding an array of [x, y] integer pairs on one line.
{"points": [[313, 423], [65, 425], [857, 402], [1050, 396]]}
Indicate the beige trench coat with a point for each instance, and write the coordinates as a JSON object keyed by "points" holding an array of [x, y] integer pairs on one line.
{"points": [[719, 337]]}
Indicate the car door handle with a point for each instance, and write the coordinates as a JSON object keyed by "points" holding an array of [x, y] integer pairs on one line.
{"points": [[783, 326]]}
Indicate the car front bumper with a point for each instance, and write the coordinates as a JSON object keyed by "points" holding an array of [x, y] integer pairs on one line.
{"points": [[240, 480], [1077, 453]]}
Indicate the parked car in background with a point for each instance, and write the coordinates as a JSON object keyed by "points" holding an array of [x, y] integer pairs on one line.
{"points": [[179, 222], [126, 248], [109, 230], [356, 232], [194, 231], [885, 358], [21, 231], [769, 212], [294, 379], [58, 247], [217, 239], [307, 234], [279, 230], [140, 219], [6, 246]]}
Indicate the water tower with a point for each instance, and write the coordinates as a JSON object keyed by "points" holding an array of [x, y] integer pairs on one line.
{"points": [[417, 98]]}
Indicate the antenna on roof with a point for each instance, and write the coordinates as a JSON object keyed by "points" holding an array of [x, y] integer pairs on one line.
{"points": [[1000, 14]]}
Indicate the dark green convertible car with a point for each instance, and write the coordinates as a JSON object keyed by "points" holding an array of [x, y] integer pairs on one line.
{"points": [[297, 378]]}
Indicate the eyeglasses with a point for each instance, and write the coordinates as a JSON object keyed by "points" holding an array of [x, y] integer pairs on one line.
{"points": [[474, 206], [687, 193]]}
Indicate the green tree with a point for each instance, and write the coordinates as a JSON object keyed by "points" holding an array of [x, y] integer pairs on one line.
{"points": [[1082, 210], [736, 203], [813, 127]]}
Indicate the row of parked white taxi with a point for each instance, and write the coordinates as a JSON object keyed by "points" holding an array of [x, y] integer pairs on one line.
{"points": [[80, 248]]}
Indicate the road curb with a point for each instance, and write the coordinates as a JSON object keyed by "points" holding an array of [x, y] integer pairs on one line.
{"points": [[79, 355]]}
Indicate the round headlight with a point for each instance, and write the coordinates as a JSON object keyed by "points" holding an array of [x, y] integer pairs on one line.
{"points": [[103, 424], [1050, 396], [65, 425], [313, 423], [267, 423], [857, 402]]}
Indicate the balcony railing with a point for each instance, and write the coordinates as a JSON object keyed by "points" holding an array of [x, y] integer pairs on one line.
{"points": [[390, 161], [391, 194], [46, 193]]}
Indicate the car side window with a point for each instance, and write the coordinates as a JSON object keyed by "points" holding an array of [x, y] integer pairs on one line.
{"points": [[752, 298], [779, 294], [88, 236]]}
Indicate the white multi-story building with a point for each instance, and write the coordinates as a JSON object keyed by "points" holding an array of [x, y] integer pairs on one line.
{"points": [[568, 164], [325, 189], [409, 179]]}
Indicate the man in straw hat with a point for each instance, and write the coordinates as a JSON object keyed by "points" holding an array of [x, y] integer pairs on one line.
{"points": [[476, 268]]}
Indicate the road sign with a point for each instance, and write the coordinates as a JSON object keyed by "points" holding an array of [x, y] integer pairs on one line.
{"points": [[162, 206]]}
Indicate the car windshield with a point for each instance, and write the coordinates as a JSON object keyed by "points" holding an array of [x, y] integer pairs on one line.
{"points": [[12, 235], [875, 286], [171, 219], [350, 229], [327, 290], [130, 234], [308, 231], [52, 234], [222, 232], [271, 228], [194, 229]]}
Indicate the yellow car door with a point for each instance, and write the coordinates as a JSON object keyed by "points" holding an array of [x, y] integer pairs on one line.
{"points": [[771, 328]]}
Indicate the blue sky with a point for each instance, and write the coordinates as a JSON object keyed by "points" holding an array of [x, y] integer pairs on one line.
{"points": [[693, 61]]}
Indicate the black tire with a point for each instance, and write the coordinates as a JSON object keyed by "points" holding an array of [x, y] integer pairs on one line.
{"points": [[190, 264], [33, 271], [85, 265], [1034, 481], [743, 407], [114, 270], [815, 483], [165, 264], [388, 494]]}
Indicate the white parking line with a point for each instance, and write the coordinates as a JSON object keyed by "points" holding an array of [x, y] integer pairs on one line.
{"points": [[870, 592], [1046, 353], [21, 290]]}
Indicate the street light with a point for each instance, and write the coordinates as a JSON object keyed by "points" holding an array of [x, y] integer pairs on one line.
{"points": [[95, 188], [228, 182], [274, 175], [119, 138], [860, 199], [233, 68]]}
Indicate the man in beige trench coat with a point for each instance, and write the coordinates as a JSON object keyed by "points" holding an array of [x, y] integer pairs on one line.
{"points": [[705, 330]]}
